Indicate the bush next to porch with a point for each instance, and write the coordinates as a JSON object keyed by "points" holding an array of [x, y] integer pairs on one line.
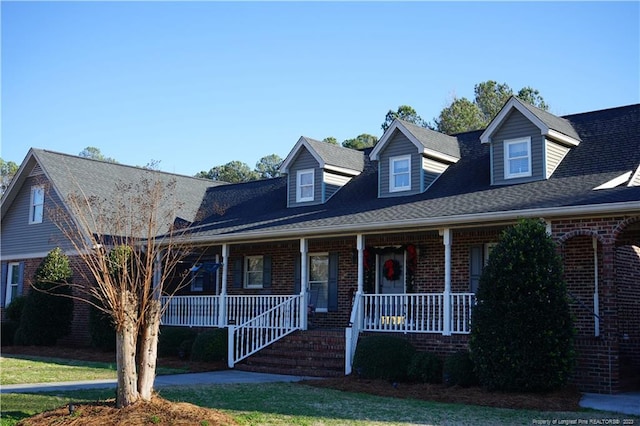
{"points": [[458, 370], [48, 307], [210, 346], [425, 367], [383, 357], [521, 330], [176, 341]]}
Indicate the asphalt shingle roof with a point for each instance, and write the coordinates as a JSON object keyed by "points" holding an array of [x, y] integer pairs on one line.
{"points": [[436, 141], [338, 156], [610, 147]]}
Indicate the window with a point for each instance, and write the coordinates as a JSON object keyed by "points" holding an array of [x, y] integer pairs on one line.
{"points": [[197, 280], [13, 280], [254, 275], [517, 158], [400, 173], [305, 185], [37, 204], [319, 279]]}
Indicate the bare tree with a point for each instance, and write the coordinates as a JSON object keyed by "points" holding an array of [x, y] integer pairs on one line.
{"points": [[128, 244]]}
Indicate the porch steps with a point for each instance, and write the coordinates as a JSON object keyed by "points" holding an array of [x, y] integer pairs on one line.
{"points": [[316, 353]]}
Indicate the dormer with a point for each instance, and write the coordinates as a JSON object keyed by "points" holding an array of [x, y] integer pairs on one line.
{"points": [[410, 158], [526, 143], [316, 170]]}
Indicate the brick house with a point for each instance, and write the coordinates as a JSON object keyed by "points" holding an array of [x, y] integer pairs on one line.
{"points": [[393, 239]]}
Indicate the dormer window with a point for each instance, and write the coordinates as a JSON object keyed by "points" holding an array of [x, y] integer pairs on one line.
{"points": [[400, 173], [517, 158], [36, 210], [305, 190]]}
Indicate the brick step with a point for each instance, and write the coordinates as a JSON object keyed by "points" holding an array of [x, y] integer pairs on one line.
{"points": [[318, 353]]}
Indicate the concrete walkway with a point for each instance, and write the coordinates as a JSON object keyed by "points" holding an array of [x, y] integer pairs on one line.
{"points": [[624, 403], [212, 378]]}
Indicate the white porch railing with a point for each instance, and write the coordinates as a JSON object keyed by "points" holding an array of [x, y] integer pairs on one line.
{"points": [[191, 311], [249, 337], [203, 311], [415, 313], [351, 333]]}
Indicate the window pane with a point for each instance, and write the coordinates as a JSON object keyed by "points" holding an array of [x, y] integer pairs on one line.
{"points": [[306, 179], [401, 166], [318, 268], [254, 278], [306, 192], [254, 263], [38, 195], [14, 274], [401, 180], [518, 150], [518, 166]]}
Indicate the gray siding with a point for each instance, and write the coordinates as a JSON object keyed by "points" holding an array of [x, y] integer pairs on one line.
{"points": [[555, 153], [18, 237], [516, 126], [303, 161], [399, 145]]}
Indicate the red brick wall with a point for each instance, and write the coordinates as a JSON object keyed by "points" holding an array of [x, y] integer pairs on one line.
{"points": [[628, 286]]}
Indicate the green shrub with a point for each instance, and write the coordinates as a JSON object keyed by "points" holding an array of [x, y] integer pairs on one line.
{"points": [[8, 332], [383, 357], [210, 346], [425, 367], [521, 328], [48, 308], [458, 370], [175, 340], [101, 330], [13, 311]]}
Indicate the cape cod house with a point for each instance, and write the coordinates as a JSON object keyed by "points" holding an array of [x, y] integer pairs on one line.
{"points": [[391, 239]]}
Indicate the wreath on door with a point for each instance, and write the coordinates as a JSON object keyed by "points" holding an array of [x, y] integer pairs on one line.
{"points": [[391, 269]]}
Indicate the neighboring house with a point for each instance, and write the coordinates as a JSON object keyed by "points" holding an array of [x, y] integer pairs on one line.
{"points": [[393, 239]]}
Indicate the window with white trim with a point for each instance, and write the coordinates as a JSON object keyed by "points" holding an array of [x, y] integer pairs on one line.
{"points": [[13, 280], [253, 271], [517, 158], [400, 173], [36, 206], [319, 280], [305, 186]]}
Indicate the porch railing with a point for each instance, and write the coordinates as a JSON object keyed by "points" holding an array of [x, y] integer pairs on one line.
{"points": [[415, 313], [249, 337], [351, 333], [203, 311], [191, 311]]}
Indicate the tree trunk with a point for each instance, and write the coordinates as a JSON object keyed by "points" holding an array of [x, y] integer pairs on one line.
{"points": [[148, 350], [126, 335]]}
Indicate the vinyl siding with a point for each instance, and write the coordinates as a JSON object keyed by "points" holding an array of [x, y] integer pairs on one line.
{"points": [[555, 153], [18, 237], [431, 170], [399, 145], [304, 161], [333, 182], [517, 126]]}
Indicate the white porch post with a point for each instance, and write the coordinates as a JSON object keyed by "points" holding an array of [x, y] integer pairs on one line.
{"points": [[304, 270], [596, 298], [222, 308], [360, 247], [446, 331]]}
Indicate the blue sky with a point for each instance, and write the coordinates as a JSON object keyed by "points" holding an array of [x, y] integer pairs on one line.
{"points": [[199, 84]]}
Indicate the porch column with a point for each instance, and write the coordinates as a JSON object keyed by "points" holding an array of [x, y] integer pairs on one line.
{"points": [[360, 247], [446, 234], [596, 298], [304, 279], [222, 307]]}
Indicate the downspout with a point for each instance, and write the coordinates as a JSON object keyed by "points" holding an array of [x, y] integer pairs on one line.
{"points": [[222, 307], [596, 299], [304, 269], [446, 329]]}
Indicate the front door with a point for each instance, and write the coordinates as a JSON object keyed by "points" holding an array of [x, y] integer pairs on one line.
{"points": [[391, 273]]}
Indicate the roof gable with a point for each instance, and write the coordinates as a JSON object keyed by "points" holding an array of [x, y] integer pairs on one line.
{"points": [[328, 156], [550, 125], [427, 142]]}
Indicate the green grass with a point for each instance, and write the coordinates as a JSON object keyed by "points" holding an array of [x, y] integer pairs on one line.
{"points": [[296, 404], [29, 369]]}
